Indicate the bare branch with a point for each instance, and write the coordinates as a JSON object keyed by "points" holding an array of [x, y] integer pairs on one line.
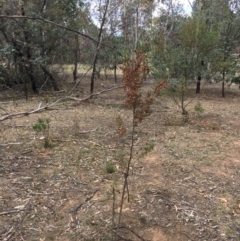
{"points": [[86, 200], [79, 80], [60, 26], [9, 234], [94, 94], [3, 110], [84, 132], [38, 109], [9, 212], [8, 144], [190, 4], [48, 107]]}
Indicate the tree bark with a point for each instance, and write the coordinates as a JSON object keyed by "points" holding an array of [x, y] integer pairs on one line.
{"points": [[52, 79], [223, 89], [198, 85], [28, 66], [115, 72], [75, 71], [99, 41]]}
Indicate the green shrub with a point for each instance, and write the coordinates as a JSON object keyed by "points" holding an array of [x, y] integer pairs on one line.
{"points": [[199, 108], [43, 125], [110, 167]]}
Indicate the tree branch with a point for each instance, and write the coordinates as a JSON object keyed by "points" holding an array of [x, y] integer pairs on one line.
{"points": [[60, 26], [8, 144], [48, 107]]}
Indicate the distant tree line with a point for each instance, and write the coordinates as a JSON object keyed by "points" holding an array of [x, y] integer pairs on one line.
{"points": [[37, 37]]}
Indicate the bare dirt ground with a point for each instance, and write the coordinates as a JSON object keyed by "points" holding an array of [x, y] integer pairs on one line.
{"points": [[186, 188]]}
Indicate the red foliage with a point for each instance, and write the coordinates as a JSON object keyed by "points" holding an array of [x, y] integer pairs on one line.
{"points": [[134, 72], [161, 85]]}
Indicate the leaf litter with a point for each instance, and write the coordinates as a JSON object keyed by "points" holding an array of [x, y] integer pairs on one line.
{"points": [[186, 188]]}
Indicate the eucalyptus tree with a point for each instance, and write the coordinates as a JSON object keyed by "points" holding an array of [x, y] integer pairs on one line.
{"points": [[229, 39], [137, 16], [164, 39], [29, 47], [105, 51], [180, 45], [103, 9], [221, 16]]}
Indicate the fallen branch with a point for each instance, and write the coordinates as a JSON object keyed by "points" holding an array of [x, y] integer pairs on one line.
{"points": [[13, 230], [41, 108], [3, 110], [119, 236], [95, 94], [9, 144], [84, 132], [130, 230], [38, 109], [9, 234], [51, 91], [86, 200], [9, 212]]}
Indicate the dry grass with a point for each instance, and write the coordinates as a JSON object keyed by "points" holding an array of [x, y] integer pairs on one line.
{"points": [[186, 188]]}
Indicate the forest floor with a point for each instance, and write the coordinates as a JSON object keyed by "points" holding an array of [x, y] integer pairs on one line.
{"points": [[187, 187]]}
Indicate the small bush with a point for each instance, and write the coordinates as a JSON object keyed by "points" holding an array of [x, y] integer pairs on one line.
{"points": [[43, 126], [110, 167], [199, 108], [148, 148]]}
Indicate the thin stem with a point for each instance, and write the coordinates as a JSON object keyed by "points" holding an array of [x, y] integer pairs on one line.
{"points": [[125, 185], [113, 209]]}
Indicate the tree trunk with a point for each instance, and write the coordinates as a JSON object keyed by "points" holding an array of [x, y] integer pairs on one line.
{"points": [[105, 72], [21, 72], [28, 54], [52, 79], [198, 85], [30, 73], [136, 29], [223, 84], [98, 47], [223, 89], [115, 73], [75, 71]]}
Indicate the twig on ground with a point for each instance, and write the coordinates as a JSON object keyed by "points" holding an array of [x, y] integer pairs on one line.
{"points": [[3, 110], [95, 94], [9, 144], [113, 206], [95, 144], [119, 236], [141, 238], [26, 152], [10, 212], [13, 229], [86, 200], [198, 169], [9, 234], [74, 220], [83, 132]]}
